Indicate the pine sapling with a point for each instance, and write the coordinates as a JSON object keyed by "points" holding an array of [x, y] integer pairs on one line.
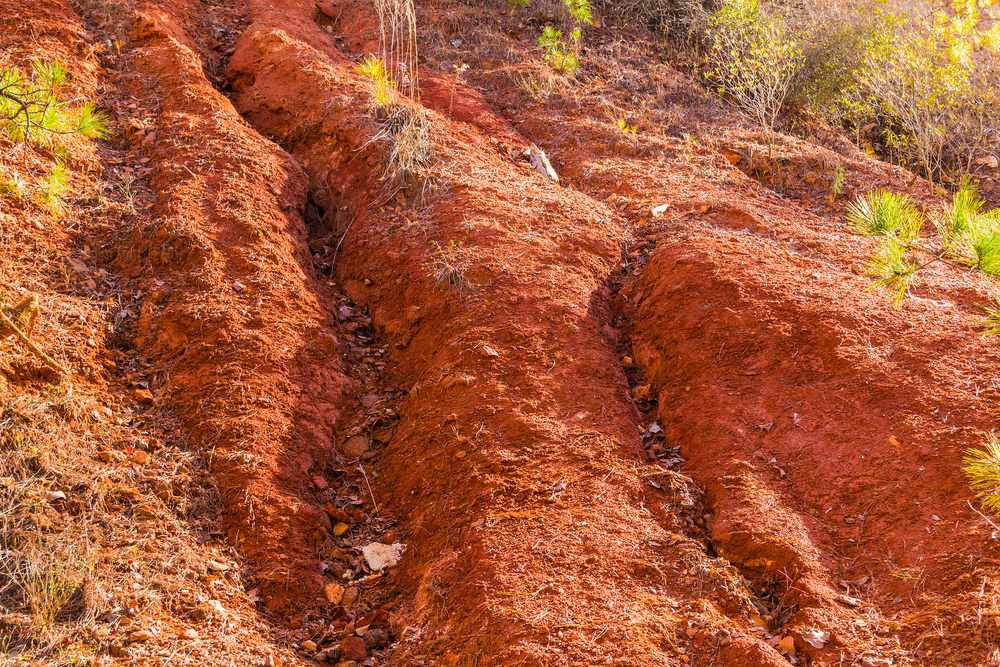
{"points": [[982, 467], [52, 190], [991, 321]]}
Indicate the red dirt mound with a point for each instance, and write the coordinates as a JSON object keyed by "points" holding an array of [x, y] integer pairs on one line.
{"points": [[828, 431], [231, 314], [531, 536]]}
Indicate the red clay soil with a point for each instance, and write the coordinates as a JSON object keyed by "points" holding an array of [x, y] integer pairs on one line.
{"points": [[827, 428], [820, 516], [532, 537], [231, 314]]}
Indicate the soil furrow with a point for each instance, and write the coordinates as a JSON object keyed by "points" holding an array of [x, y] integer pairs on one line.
{"points": [[231, 314], [515, 462]]}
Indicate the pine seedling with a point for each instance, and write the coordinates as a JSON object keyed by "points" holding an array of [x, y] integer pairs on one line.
{"points": [[884, 213], [892, 269], [966, 205], [627, 128], [991, 321], [839, 179], [979, 245], [91, 123], [560, 54], [982, 468], [580, 11], [52, 190], [383, 88], [14, 186]]}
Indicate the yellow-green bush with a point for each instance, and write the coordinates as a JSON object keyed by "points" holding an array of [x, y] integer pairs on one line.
{"points": [[752, 59], [930, 85]]}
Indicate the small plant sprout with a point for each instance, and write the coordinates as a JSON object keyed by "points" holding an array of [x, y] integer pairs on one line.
{"points": [[966, 205], [13, 186], [561, 55], [970, 233], [897, 222], [883, 213], [627, 128], [839, 179], [991, 321], [383, 88], [982, 468], [52, 190], [32, 109], [892, 269], [447, 265], [395, 92], [579, 11]]}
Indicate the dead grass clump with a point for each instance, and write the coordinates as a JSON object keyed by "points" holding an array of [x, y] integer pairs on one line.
{"points": [[407, 130]]}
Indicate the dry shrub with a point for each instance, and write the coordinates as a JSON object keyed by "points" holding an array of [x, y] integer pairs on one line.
{"points": [[407, 131], [680, 18]]}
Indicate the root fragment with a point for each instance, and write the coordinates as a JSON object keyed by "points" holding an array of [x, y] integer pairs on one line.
{"points": [[19, 321]]}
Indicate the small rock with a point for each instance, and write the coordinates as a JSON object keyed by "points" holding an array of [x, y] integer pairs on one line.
{"points": [[327, 9], [140, 636], [328, 654], [309, 645], [540, 161], [380, 556], [848, 600], [217, 566], [110, 456], [238, 287], [320, 483], [350, 596], [142, 395], [376, 638], [355, 446], [334, 593], [990, 161], [815, 637], [659, 210], [189, 633], [53, 496], [353, 648]]}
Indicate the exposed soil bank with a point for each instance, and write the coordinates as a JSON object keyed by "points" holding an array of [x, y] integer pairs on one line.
{"points": [[829, 447], [532, 536], [231, 314]]}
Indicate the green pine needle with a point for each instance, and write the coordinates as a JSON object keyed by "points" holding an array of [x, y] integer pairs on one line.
{"points": [[883, 213], [966, 205], [92, 123], [982, 467], [49, 74], [892, 269], [991, 322], [52, 190]]}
